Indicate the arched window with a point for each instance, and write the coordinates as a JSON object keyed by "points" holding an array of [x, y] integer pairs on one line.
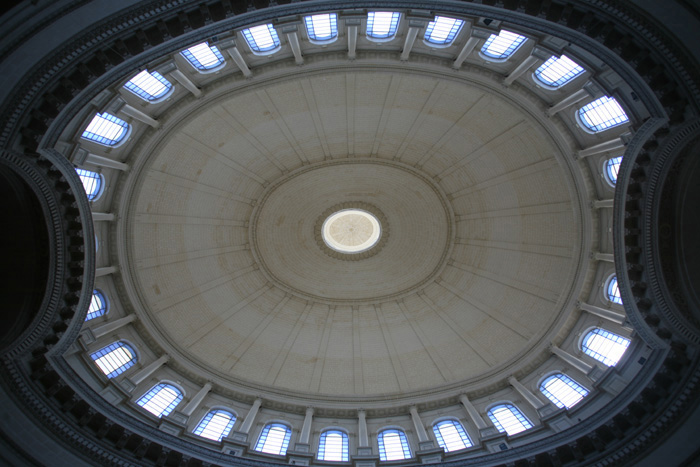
{"points": [[507, 418], [612, 291], [602, 114], [274, 439], [563, 391], [451, 436], [215, 425], [261, 38], [203, 56], [323, 27], [114, 359], [106, 129], [149, 86], [443, 30], [612, 167], [502, 45], [556, 72], [333, 446], [393, 445], [92, 182], [604, 346], [382, 24], [161, 399], [98, 305]]}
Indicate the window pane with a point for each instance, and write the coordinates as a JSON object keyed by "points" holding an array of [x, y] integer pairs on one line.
{"points": [[382, 24], [203, 57], [612, 167], [605, 346], [322, 27], [613, 291], [274, 439], [106, 129], [98, 305], [92, 182], [503, 45], [149, 86], [161, 399], [114, 359], [215, 425], [602, 114], [393, 445], [333, 446], [558, 71], [508, 418], [563, 391], [451, 435], [443, 30], [261, 38]]}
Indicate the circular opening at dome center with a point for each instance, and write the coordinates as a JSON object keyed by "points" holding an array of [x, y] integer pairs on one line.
{"points": [[351, 231]]}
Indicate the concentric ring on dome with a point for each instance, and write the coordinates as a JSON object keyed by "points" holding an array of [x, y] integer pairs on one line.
{"points": [[370, 248]]}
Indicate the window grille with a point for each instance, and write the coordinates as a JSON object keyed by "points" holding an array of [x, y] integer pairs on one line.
{"points": [[261, 38], [602, 114], [215, 425], [106, 129], [114, 359], [322, 27], [393, 445], [203, 56], [451, 436], [149, 86], [502, 45], [563, 391], [612, 168], [507, 418], [443, 30], [613, 291], [92, 182], [274, 439], [98, 305], [556, 72], [161, 399], [382, 24], [604, 346], [333, 446]]}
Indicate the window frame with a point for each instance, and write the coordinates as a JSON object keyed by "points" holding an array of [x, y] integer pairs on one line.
{"points": [[284, 447], [507, 54], [102, 140], [496, 423], [213, 411], [141, 93], [392, 31], [606, 169], [257, 50], [608, 292], [594, 130], [334, 28], [458, 425], [100, 183], [567, 77], [116, 371], [403, 439], [345, 454], [202, 68], [170, 407], [593, 330], [451, 37], [554, 399], [100, 312]]}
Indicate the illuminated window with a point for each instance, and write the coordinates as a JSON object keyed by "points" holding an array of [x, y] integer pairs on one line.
{"points": [[503, 45], [92, 182], [612, 167], [161, 399], [203, 56], [556, 72], [114, 359], [382, 24], [98, 305], [507, 418], [106, 129], [451, 435], [602, 114], [393, 445], [443, 30], [149, 86], [261, 38], [563, 391], [322, 28], [613, 291], [333, 446], [215, 425], [274, 439], [604, 346]]}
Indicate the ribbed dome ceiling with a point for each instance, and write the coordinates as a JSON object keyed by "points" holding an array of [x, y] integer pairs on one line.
{"points": [[478, 259]]}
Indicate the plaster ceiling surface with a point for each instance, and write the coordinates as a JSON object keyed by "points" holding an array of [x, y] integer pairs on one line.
{"points": [[477, 262]]}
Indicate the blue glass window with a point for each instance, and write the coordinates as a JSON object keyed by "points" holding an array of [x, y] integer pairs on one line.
{"points": [[161, 399], [556, 72], [393, 445], [502, 45], [323, 27], [114, 359], [613, 291], [563, 391], [261, 38], [215, 425], [604, 346], [602, 114], [92, 182], [149, 86], [333, 446], [106, 129], [98, 305], [443, 30], [274, 439], [203, 56], [451, 436], [382, 24], [612, 168], [507, 418]]}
